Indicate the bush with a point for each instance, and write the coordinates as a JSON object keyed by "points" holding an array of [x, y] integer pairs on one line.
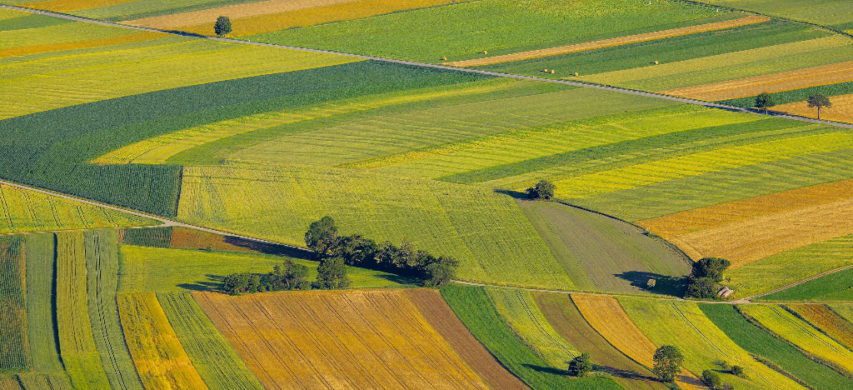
{"points": [[541, 190], [332, 274], [580, 365], [737, 371], [711, 379], [289, 276]]}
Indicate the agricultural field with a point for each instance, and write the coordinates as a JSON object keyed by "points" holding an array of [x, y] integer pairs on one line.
{"points": [[143, 162]]}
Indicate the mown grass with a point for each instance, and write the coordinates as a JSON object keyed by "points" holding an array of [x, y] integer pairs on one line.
{"points": [[759, 342], [176, 270], [825, 12], [473, 306], [788, 267], [212, 356], [665, 51], [41, 279], [102, 274], [462, 31], [796, 95], [13, 319]]}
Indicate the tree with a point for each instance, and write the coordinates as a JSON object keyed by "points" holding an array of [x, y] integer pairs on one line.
{"points": [[737, 371], [290, 276], [712, 379], [222, 27], [439, 272], [764, 101], [819, 101], [580, 365], [710, 267], [322, 235], [667, 362], [541, 190], [332, 274]]}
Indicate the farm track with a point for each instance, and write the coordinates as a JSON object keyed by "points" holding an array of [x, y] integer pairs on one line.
{"points": [[434, 66], [167, 222]]}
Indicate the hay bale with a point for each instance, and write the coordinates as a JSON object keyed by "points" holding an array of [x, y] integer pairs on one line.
{"points": [[576, 74], [444, 58], [657, 62], [553, 71], [545, 70], [485, 52]]}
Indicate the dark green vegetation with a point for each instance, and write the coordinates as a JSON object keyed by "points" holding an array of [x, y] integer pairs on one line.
{"points": [[222, 27], [473, 306], [603, 253], [88, 131], [665, 50], [12, 310], [287, 276], [29, 21], [580, 365], [541, 190], [760, 342], [833, 287], [705, 277], [668, 360], [332, 274], [798, 95]]}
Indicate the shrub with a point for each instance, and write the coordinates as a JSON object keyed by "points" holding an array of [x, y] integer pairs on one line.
{"points": [[711, 379], [541, 190], [737, 371], [580, 365]]}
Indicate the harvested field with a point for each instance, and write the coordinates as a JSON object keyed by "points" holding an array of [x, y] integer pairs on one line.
{"points": [[759, 341], [797, 79], [445, 322], [359, 339], [795, 218], [233, 11], [564, 316], [101, 43], [69, 6], [825, 319], [159, 357], [611, 42], [607, 317], [841, 110], [801, 334]]}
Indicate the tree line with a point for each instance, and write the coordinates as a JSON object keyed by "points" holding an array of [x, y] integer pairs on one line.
{"points": [[331, 274], [324, 239]]}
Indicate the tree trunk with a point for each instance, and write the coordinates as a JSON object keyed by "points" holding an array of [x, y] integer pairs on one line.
{"points": [[818, 112]]}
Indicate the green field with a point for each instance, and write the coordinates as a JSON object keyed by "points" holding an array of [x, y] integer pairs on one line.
{"points": [[833, 287], [823, 12], [760, 342], [474, 307], [798, 95], [13, 320], [601, 253]]}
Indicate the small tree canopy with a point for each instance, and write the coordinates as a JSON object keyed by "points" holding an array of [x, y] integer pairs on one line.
{"points": [[542, 190], [332, 274], [667, 362], [710, 267], [222, 26], [322, 235], [764, 101], [440, 272], [712, 379], [819, 101], [580, 365], [737, 370]]}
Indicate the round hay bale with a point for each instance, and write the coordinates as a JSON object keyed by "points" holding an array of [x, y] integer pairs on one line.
{"points": [[485, 52], [444, 58], [576, 74], [553, 71], [657, 62]]}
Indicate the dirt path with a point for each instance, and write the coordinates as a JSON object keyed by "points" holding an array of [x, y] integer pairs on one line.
{"points": [[439, 67]]}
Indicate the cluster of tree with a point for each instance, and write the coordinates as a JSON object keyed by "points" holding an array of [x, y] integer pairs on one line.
{"points": [[580, 365], [765, 101], [705, 277], [542, 190], [331, 274], [322, 237], [712, 378]]}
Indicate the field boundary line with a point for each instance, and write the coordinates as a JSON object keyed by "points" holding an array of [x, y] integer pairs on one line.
{"points": [[573, 83], [799, 282]]}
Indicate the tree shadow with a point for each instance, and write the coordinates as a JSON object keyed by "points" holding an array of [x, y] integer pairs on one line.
{"points": [[186, 34], [213, 283], [269, 248], [398, 279], [628, 374], [664, 284], [513, 194], [546, 370]]}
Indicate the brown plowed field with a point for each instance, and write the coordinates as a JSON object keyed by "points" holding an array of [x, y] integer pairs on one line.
{"points": [[777, 82], [338, 339], [610, 42]]}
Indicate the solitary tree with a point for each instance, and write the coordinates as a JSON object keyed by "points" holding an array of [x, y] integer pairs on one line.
{"points": [[580, 365], [222, 27], [667, 362], [440, 271], [712, 379], [322, 235], [819, 101], [764, 101], [332, 274], [542, 190]]}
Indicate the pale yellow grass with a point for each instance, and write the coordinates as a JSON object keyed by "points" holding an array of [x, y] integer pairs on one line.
{"points": [[73, 5], [745, 241], [841, 110], [234, 11], [85, 44], [794, 219], [611, 42], [159, 357], [608, 318], [778, 82], [338, 339]]}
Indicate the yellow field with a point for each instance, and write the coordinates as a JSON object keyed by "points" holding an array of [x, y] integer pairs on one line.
{"points": [[611, 42], [750, 229], [273, 15], [841, 110], [827, 320], [609, 319], [84, 44], [778, 82], [159, 357], [801, 334], [73, 5], [333, 339]]}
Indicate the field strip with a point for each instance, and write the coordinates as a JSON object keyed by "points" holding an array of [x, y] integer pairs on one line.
{"points": [[234, 11], [841, 110], [770, 83], [611, 42], [436, 66], [73, 5], [85, 44], [829, 322]]}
